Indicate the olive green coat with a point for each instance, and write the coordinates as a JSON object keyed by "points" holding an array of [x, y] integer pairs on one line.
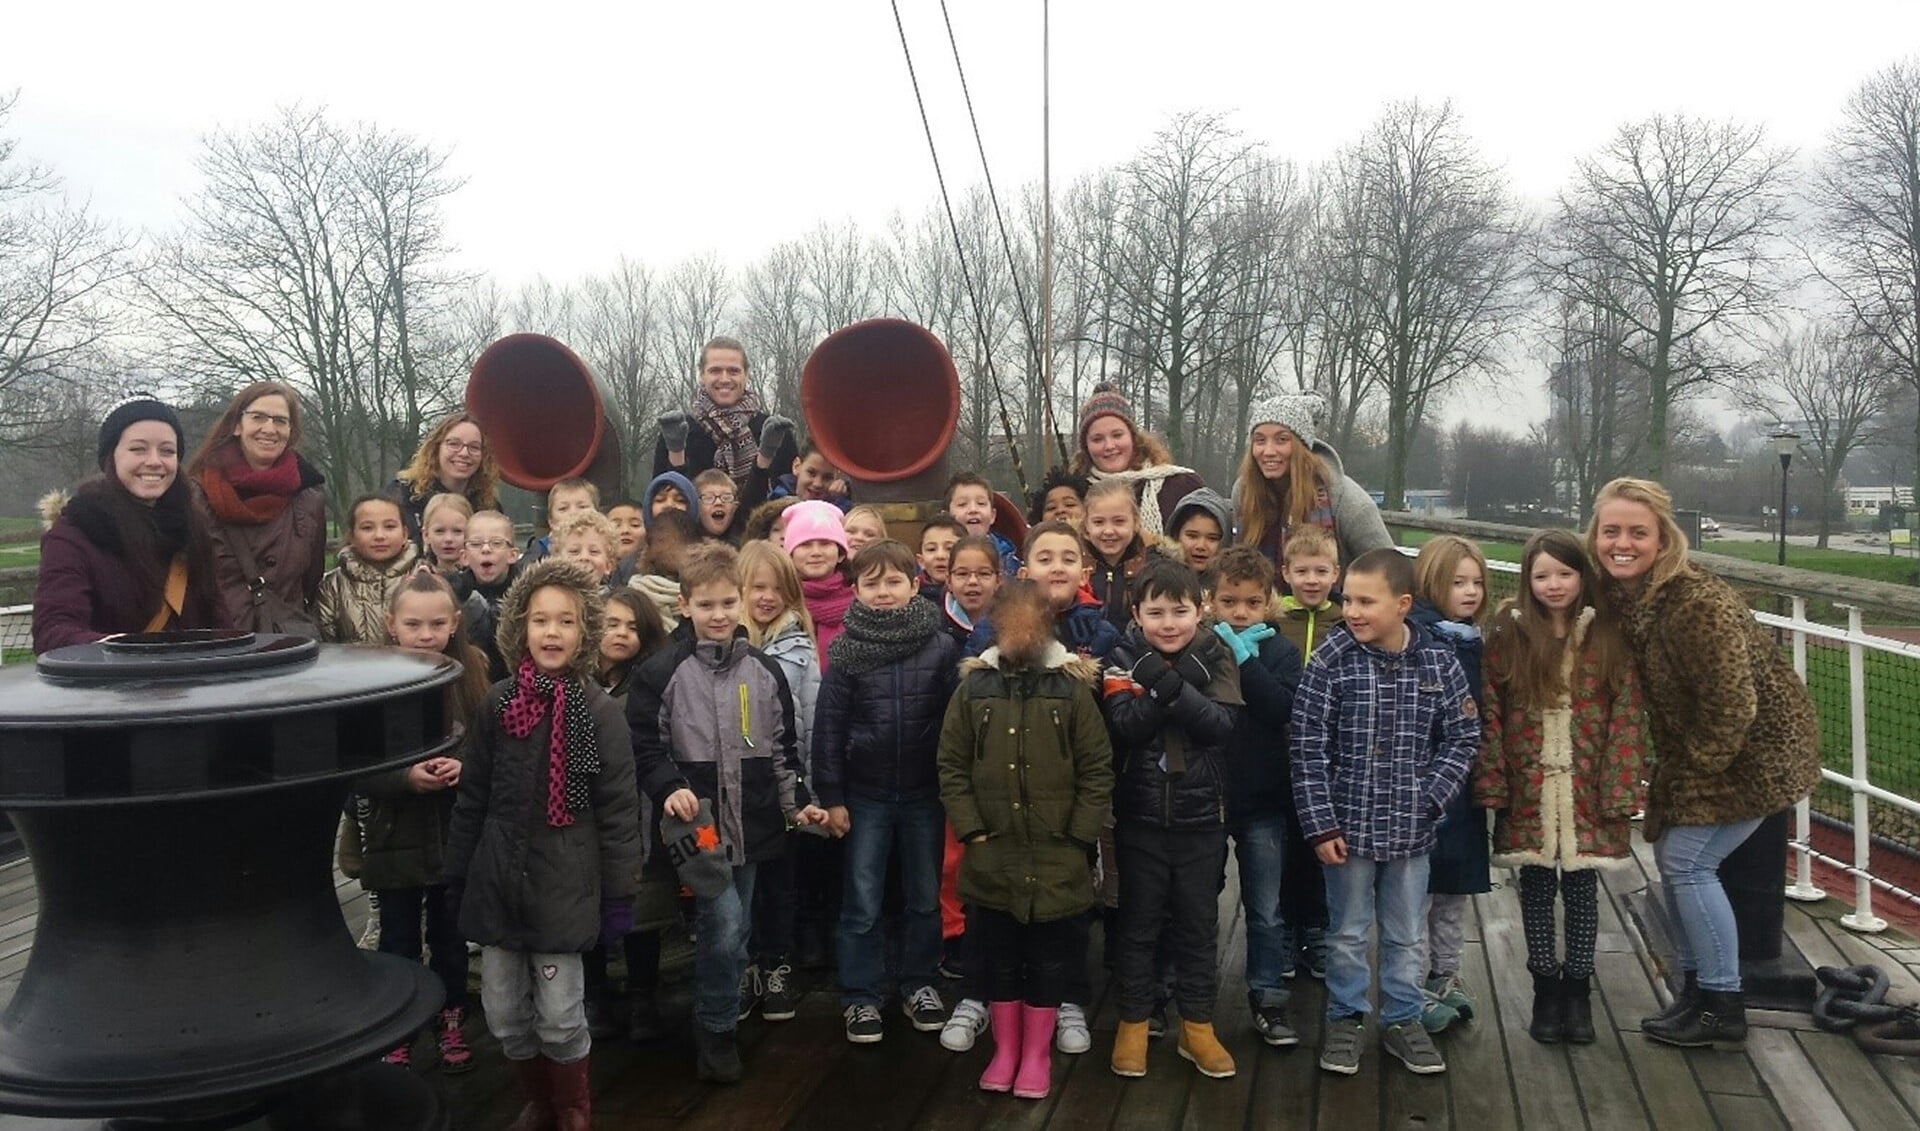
{"points": [[1025, 763]]}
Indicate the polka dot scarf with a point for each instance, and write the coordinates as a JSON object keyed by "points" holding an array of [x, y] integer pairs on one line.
{"points": [[573, 753]]}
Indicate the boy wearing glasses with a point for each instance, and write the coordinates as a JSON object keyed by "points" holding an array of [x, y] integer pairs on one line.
{"points": [[492, 564], [721, 519]]}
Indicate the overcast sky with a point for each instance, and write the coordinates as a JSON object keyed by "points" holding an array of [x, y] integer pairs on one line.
{"points": [[663, 129]]}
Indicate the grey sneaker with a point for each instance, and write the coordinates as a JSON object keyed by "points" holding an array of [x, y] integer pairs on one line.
{"points": [[964, 1026], [1410, 1043], [1070, 1034], [1340, 1045], [1271, 1023], [749, 991]]}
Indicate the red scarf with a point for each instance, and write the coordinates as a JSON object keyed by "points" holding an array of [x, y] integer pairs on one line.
{"points": [[243, 495]]}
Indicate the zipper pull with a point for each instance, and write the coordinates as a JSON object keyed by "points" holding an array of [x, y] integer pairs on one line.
{"points": [[746, 719]]}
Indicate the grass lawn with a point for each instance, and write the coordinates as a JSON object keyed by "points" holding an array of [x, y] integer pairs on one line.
{"points": [[1895, 570], [1893, 732]]}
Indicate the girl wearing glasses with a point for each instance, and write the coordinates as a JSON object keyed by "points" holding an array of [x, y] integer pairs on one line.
{"points": [[454, 458]]}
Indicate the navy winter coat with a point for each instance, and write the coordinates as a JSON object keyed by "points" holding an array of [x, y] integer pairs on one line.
{"points": [[1193, 727], [876, 734], [1259, 778], [1462, 857], [1083, 628]]}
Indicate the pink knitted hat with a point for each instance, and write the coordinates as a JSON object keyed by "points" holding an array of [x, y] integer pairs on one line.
{"points": [[812, 520]]}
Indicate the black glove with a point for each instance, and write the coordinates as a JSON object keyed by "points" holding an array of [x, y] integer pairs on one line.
{"points": [[1193, 670], [673, 431], [1160, 680], [775, 434]]}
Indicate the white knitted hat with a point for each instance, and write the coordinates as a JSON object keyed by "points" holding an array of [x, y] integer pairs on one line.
{"points": [[1302, 413]]}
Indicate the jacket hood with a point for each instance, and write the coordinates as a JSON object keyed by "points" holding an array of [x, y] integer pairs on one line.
{"points": [[51, 504], [358, 570], [1204, 499], [1428, 617], [510, 634], [672, 479], [1056, 658]]}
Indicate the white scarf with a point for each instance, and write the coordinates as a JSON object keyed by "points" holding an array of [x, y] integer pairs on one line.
{"points": [[1152, 523]]}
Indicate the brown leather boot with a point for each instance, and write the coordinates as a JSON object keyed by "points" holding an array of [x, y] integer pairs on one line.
{"points": [[1130, 1049], [538, 1114], [1199, 1045], [572, 1095]]}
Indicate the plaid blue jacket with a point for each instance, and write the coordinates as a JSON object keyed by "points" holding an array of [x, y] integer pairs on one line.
{"points": [[1381, 742]]}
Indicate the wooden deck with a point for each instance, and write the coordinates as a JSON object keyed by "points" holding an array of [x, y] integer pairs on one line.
{"points": [[803, 1074]]}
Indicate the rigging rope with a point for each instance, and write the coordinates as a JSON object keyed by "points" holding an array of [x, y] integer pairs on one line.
{"points": [[1034, 345], [960, 252]]}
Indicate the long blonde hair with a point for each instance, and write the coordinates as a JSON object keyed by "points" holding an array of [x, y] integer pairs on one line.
{"points": [[1263, 508], [786, 579], [1433, 573], [423, 471], [1671, 561]]}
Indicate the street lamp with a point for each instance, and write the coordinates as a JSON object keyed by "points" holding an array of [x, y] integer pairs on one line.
{"points": [[1784, 441]]}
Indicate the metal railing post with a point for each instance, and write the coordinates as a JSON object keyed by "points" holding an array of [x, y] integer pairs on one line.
{"points": [[1802, 888], [1861, 918]]}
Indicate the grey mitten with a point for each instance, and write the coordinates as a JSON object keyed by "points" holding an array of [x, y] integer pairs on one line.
{"points": [[775, 434], [673, 430]]}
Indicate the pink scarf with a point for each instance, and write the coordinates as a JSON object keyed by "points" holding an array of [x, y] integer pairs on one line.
{"points": [[573, 753], [828, 600]]}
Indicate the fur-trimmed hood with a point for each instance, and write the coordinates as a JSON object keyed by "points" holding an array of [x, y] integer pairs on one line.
{"points": [[511, 635], [1057, 657], [51, 504]]}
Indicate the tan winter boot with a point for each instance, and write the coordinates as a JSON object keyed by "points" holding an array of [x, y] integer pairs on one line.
{"points": [[1198, 1044], [1130, 1049]]}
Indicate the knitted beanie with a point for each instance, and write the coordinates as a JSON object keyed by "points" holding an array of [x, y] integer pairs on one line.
{"points": [[813, 520], [1104, 401], [135, 408], [1301, 413]]}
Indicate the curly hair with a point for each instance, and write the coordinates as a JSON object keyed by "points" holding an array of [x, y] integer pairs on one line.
{"points": [[423, 471], [558, 573]]}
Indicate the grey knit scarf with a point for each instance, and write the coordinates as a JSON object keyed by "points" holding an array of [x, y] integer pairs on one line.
{"points": [[875, 638]]}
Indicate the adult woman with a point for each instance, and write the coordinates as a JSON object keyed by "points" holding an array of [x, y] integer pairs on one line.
{"points": [[1112, 446], [1290, 476], [122, 554], [734, 431], [263, 510], [1735, 740], [454, 457]]}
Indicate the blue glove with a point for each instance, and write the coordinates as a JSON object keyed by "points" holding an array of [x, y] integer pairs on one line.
{"points": [[616, 920], [1245, 643]]}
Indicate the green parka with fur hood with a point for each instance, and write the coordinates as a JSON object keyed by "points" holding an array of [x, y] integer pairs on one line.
{"points": [[1025, 760]]}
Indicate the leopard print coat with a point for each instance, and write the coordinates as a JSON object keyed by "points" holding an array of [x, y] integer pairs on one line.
{"points": [[1734, 733]]}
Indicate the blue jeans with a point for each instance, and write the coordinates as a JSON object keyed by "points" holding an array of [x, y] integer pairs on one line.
{"points": [[1392, 893], [915, 831], [1260, 847], [721, 956], [1708, 939]]}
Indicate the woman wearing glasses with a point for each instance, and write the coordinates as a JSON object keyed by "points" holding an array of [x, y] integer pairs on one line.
{"points": [[454, 457], [264, 511]]}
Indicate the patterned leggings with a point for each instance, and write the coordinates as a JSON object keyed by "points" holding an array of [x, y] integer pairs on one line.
{"points": [[1579, 890]]}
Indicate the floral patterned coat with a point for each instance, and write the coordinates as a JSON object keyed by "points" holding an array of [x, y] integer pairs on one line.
{"points": [[1564, 781]]}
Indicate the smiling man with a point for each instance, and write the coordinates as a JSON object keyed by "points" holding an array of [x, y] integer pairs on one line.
{"points": [[726, 428]]}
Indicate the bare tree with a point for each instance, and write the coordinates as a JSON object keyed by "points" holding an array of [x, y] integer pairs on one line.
{"points": [[698, 294], [308, 255], [1596, 403], [1668, 228], [1867, 193], [1832, 384], [619, 334], [58, 270], [1436, 238], [778, 324]]}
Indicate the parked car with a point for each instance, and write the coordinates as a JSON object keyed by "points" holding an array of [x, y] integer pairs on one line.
{"points": [[1709, 526]]}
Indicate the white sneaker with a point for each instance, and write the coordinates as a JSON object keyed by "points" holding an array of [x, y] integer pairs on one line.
{"points": [[964, 1027], [1070, 1034]]}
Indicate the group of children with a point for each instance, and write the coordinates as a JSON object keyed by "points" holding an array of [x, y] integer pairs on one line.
{"points": [[976, 751]]}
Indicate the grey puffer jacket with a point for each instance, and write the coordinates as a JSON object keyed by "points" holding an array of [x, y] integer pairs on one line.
{"points": [[799, 661], [1357, 524], [529, 886], [717, 718]]}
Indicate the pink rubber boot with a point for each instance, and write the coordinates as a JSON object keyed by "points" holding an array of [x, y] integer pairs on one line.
{"points": [[1004, 1016], [1036, 1054]]}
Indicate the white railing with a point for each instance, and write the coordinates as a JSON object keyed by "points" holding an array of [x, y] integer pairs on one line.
{"points": [[1857, 782], [16, 629]]}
